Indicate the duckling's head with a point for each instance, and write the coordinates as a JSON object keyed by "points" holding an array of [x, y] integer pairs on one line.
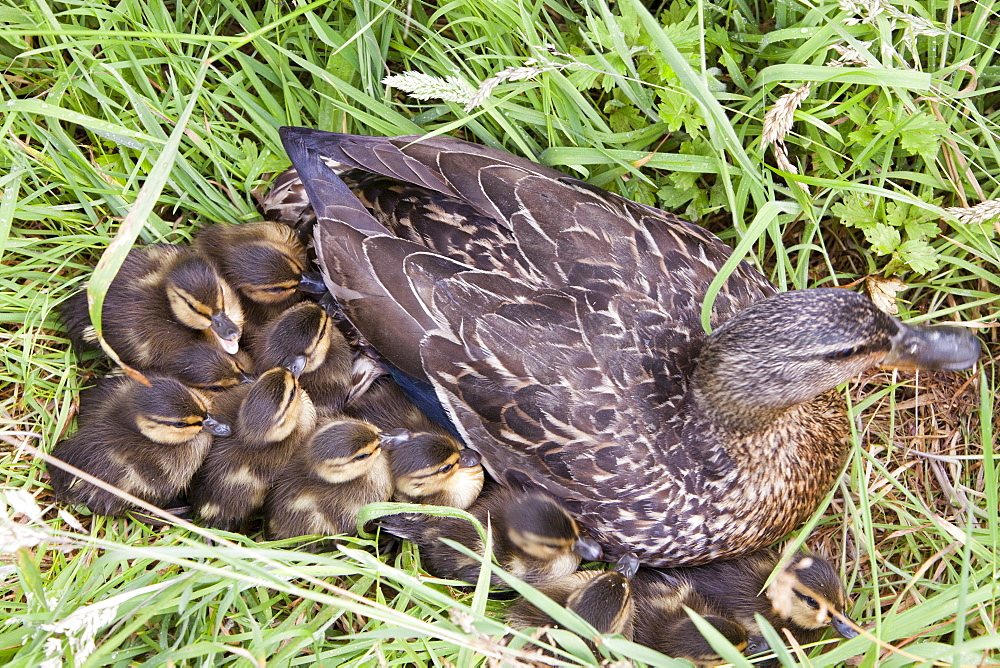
{"points": [[169, 413], [808, 594], [268, 263], [345, 450], [425, 464], [197, 295], [794, 346], [544, 530], [303, 329], [273, 408], [209, 369], [606, 600]]}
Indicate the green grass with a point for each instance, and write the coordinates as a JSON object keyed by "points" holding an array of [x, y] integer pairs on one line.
{"points": [[132, 121]]}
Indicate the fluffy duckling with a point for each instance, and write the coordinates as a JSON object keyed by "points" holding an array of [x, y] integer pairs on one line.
{"points": [[265, 262], [164, 301], [433, 468], [602, 598], [341, 469], [305, 329], [534, 538], [384, 405], [210, 370], [271, 418], [145, 440], [806, 597], [661, 622]]}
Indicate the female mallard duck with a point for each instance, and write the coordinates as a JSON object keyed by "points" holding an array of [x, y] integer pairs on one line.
{"points": [[271, 418], [661, 600], [602, 598], [533, 538], [147, 440], [306, 330], [432, 468], [165, 301], [341, 469], [266, 264], [806, 597], [559, 324]]}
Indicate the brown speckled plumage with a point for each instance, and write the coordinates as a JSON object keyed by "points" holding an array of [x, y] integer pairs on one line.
{"points": [[560, 327]]}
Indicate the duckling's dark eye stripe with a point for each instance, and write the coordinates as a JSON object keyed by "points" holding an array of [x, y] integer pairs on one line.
{"points": [[180, 424]]}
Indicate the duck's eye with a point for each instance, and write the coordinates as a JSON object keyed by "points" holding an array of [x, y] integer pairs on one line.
{"points": [[843, 354], [363, 456], [276, 290], [185, 425], [808, 600], [446, 468]]}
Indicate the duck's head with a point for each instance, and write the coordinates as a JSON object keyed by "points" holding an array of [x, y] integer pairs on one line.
{"points": [[796, 345], [197, 295], [345, 450], [425, 465], [605, 601], [268, 263], [303, 329], [169, 413], [274, 407], [543, 530], [209, 369], [808, 594]]}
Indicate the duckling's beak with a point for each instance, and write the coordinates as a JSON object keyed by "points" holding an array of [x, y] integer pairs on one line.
{"points": [[587, 549], [628, 565], [395, 438], [216, 427], [296, 365], [468, 458], [932, 348], [756, 645], [226, 331], [312, 283], [841, 626]]}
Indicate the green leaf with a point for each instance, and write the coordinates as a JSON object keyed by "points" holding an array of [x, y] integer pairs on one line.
{"points": [[883, 238], [919, 255], [856, 211]]}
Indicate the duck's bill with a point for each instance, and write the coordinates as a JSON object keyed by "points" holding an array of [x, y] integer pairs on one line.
{"points": [[216, 427], [468, 457], [312, 283], [628, 565], [932, 348], [841, 626], [587, 549], [226, 332]]}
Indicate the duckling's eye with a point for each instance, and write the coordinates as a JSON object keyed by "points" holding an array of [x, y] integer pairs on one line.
{"points": [[363, 456], [183, 425], [446, 468], [808, 600], [276, 289], [842, 354]]}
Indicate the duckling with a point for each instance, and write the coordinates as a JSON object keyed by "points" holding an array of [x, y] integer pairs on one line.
{"points": [[164, 301], [211, 370], [305, 329], [602, 598], [271, 418], [145, 440], [433, 468], [661, 622], [266, 264], [805, 597], [341, 469], [385, 405], [534, 538]]}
